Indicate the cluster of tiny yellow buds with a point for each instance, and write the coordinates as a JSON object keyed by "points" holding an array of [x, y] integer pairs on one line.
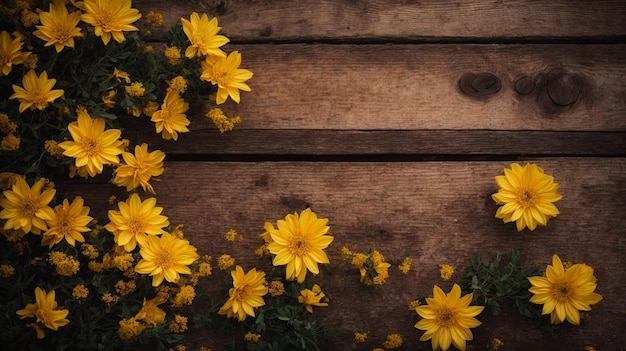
{"points": [[446, 271], [179, 347], [123, 262], [178, 231], [108, 298], [89, 250], [178, 84], [276, 288], [589, 348], [31, 61], [6, 270], [345, 253], [150, 108], [29, 18], [252, 337], [173, 55], [262, 250], [232, 235], [393, 341], [204, 269], [360, 337], [185, 296], [414, 304], [221, 121], [130, 327], [53, 148], [9, 143], [179, 324], [95, 266], [405, 266], [163, 292], [225, 261], [124, 288], [64, 265], [359, 260], [154, 19], [136, 89], [495, 344], [80, 292], [204, 348], [6, 126], [112, 199]]}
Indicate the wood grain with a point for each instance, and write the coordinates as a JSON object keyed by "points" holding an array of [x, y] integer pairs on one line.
{"points": [[433, 212], [431, 20]]}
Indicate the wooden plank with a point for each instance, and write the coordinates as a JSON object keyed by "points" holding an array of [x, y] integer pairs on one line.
{"points": [[431, 20], [402, 87], [433, 212]]}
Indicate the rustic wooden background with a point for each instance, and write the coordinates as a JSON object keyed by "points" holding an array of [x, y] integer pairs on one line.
{"points": [[391, 119]]}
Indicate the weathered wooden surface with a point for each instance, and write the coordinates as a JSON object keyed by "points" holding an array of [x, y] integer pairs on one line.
{"points": [[364, 110]]}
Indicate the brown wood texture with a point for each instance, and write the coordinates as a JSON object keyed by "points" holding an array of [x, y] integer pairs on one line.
{"points": [[433, 212]]}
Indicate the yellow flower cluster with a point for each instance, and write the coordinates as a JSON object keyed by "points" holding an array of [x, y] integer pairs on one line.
{"points": [[64, 264], [371, 265]]}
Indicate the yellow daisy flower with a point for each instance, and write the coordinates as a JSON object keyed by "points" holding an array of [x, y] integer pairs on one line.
{"points": [[26, 208], [110, 18], [59, 28], [136, 221], [298, 242], [312, 297], [527, 196], [67, 221], [245, 295], [37, 91], [447, 318], [150, 312], [10, 53], [565, 292], [203, 36], [92, 146], [226, 74], [45, 310], [139, 168], [171, 119], [166, 257]]}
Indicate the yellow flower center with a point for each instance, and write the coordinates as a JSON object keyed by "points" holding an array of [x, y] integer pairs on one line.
{"points": [[526, 198], [241, 293], [65, 225], [36, 97], [164, 259], [136, 226], [44, 316], [29, 208], [221, 78], [91, 147], [61, 35], [105, 19], [299, 247], [561, 292], [446, 317]]}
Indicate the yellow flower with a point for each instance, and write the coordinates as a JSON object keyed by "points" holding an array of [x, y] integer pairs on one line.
{"points": [[172, 54], [139, 168], [155, 19], [119, 75], [92, 146], [446, 271], [360, 337], [58, 26], [135, 89], [170, 119], [393, 341], [10, 53], [221, 121], [130, 327], [312, 297], [250, 336], [565, 292], [185, 296], [45, 310], [6, 270], [527, 196], [150, 311], [166, 257], [232, 235], [226, 74], [67, 221], [9, 143], [203, 36], [37, 91], [110, 18], [26, 208], [298, 242], [136, 221], [80, 292], [245, 295], [179, 324], [447, 319], [225, 261], [64, 264], [405, 266], [276, 288]]}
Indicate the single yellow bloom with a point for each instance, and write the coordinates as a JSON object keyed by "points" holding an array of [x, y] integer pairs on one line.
{"points": [[136, 221], [150, 311], [10, 52], [171, 119], [447, 319], [527, 196], [312, 297], [59, 28], [166, 257], [92, 146], [565, 292], [45, 310], [67, 221], [245, 295], [393, 341], [446, 271], [110, 18], [226, 74], [139, 168], [37, 91], [203, 36], [26, 208], [298, 242]]}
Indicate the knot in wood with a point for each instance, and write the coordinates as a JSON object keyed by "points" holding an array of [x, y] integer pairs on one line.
{"points": [[563, 88], [219, 7], [525, 85], [479, 85]]}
